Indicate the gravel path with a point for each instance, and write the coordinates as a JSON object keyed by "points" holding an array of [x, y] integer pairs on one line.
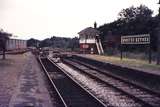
{"points": [[31, 90], [9, 73], [22, 83]]}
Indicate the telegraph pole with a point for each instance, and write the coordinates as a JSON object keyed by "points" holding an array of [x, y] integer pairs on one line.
{"points": [[158, 38]]}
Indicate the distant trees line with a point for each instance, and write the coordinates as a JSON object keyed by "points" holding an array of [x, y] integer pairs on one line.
{"points": [[55, 42], [132, 21]]}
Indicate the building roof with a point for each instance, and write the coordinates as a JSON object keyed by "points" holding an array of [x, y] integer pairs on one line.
{"points": [[89, 31], [4, 35]]}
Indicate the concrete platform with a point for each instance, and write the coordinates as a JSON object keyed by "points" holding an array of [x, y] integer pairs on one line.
{"points": [[31, 90]]}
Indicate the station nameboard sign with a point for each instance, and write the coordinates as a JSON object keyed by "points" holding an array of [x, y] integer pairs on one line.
{"points": [[136, 39]]}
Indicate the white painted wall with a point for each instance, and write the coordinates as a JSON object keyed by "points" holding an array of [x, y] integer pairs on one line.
{"points": [[16, 44], [87, 41]]}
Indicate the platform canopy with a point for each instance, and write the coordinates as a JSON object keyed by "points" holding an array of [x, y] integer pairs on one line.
{"points": [[89, 31]]}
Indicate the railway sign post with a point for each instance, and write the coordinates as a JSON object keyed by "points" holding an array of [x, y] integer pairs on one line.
{"points": [[143, 39]]}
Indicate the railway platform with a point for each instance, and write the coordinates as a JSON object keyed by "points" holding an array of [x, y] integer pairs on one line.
{"points": [[23, 83], [142, 74], [129, 64], [10, 70]]}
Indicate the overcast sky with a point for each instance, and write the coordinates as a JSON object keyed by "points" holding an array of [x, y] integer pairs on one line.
{"points": [[44, 18]]}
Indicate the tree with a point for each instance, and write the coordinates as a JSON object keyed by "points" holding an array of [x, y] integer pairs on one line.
{"points": [[32, 42], [60, 42], [128, 14], [136, 20], [132, 13], [74, 44], [132, 21]]}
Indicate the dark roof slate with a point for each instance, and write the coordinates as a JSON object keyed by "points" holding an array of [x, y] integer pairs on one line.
{"points": [[89, 31]]}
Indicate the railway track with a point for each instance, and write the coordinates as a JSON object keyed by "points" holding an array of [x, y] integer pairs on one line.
{"points": [[143, 96], [69, 91]]}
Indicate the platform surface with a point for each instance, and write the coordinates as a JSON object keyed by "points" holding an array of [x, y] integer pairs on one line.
{"points": [[128, 63], [30, 89], [10, 70]]}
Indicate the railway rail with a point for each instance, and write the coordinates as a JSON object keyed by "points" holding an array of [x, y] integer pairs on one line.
{"points": [[143, 96], [69, 91], [141, 78]]}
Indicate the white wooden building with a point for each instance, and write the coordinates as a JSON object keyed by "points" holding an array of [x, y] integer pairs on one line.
{"points": [[89, 41]]}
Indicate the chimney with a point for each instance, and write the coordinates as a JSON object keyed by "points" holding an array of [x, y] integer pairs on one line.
{"points": [[95, 25]]}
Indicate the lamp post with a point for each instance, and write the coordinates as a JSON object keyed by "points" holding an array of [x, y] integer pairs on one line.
{"points": [[158, 38]]}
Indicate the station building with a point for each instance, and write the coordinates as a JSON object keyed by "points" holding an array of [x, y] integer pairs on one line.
{"points": [[15, 44], [90, 42]]}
